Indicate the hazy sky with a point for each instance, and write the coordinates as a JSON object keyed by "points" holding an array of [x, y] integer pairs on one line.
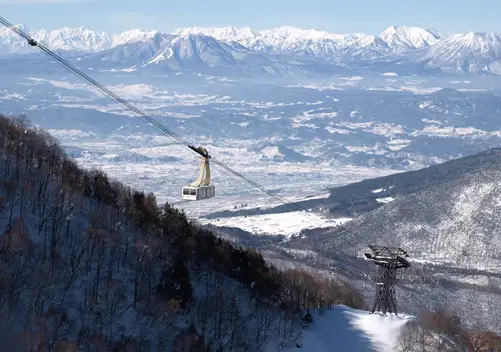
{"points": [[347, 16]]}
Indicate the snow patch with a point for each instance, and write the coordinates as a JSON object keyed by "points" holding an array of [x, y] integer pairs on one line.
{"points": [[385, 200], [132, 89], [426, 104], [337, 130], [162, 57], [345, 329], [398, 144], [354, 78], [320, 196], [286, 224]]}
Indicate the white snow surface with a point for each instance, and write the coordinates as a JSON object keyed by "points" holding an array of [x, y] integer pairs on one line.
{"points": [[286, 224], [348, 330], [385, 200]]}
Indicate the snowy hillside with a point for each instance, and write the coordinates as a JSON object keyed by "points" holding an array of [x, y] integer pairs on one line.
{"points": [[447, 218]]}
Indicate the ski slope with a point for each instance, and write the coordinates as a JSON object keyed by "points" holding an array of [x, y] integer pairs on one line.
{"points": [[343, 329]]}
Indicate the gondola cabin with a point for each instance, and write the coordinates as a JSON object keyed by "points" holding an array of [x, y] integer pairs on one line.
{"points": [[201, 188], [199, 193]]}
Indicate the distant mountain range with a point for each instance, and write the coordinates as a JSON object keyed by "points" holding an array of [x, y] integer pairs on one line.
{"points": [[274, 51]]}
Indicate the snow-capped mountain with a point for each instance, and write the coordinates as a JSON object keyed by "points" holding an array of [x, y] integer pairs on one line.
{"points": [[197, 52], [245, 36], [416, 47], [81, 39], [320, 43], [67, 39], [470, 52], [132, 35], [202, 49], [202, 53], [293, 41], [12, 43], [135, 51], [402, 38]]}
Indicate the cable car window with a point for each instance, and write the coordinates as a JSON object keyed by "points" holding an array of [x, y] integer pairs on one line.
{"points": [[186, 191], [193, 192]]}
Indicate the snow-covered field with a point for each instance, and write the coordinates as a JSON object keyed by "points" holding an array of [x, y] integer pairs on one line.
{"points": [[286, 224], [296, 139]]}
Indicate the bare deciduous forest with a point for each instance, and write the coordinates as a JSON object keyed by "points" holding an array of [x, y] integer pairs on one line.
{"points": [[87, 262]]}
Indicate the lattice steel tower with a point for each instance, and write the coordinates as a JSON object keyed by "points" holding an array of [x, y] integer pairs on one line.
{"points": [[388, 260]]}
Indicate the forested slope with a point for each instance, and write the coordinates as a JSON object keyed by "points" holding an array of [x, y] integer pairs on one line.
{"points": [[87, 263]]}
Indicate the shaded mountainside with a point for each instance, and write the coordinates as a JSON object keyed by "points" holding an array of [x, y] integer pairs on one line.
{"points": [[358, 198], [87, 263], [445, 214]]}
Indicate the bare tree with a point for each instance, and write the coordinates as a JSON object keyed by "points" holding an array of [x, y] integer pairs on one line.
{"points": [[262, 326], [62, 210], [481, 341], [408, 339], [41, 200], [13, 196]]}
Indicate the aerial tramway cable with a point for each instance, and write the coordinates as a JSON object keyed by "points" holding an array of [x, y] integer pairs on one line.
{"points": [[142, 115]]}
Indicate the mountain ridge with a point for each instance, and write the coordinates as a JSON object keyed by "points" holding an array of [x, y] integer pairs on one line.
{"points": [[416, 47], [244, 35]]}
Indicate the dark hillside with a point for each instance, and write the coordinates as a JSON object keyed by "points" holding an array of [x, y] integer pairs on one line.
{"points": [[89, 263]]}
